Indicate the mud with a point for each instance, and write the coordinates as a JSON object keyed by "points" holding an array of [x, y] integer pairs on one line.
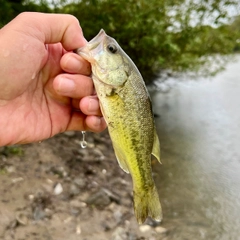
{"points": [[57, 190]]}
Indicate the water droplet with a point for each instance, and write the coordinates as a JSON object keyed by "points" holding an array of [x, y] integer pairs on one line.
{"points": [[83, 143]]}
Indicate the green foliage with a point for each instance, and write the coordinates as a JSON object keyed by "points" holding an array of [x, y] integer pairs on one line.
{"points": [[156, 34], [160, 34], [11, 150], [11, 8], [235, 27]]}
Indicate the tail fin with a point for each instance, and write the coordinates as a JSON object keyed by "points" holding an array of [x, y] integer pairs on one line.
{"points": [[146, 203]]}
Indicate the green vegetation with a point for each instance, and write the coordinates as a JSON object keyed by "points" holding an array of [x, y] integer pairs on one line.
{"points": [[8, 151], [235, 27], [11, 150], [156, 34]]}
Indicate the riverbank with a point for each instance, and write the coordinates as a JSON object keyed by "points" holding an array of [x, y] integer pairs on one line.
{"points": [[57, 190]]}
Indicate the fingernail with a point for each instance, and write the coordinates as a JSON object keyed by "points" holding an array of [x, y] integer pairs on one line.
{"points": [[93, 104], [66, 85]]}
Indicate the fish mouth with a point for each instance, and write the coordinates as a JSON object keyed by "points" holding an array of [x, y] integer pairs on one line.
{"points": [[93, 47]]}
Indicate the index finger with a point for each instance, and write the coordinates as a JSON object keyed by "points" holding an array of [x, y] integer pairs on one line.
{"points": [[53, 28]]}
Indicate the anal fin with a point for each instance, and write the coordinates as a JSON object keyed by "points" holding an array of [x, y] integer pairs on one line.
{"points": [[156, 146]]}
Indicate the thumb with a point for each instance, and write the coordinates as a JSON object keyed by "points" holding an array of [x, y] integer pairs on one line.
{"points": [[53, 28]]}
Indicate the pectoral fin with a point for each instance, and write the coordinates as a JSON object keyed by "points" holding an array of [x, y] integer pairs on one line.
{"points": [[156, 147]]}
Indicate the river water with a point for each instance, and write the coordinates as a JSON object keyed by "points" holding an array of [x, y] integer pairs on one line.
{"points": [[199, 180]]}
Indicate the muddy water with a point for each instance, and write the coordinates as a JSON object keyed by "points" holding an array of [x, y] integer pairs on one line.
{"points": [[199, 181]]}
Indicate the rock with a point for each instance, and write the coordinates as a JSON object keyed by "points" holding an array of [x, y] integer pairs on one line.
{"points": [[98, 153], [79, 182], [144, 228], [78, 229], [15, 180], [67, 220], [118, 215], [31, 197], [48, 212], [48, 185], [38, 213], [77, 204], [10, 169], [74, 190], [70, 133], [112, 196], [59, 170], [99, 199], [58, 189], [161, 230], [22, 218], [151, 222], [119, 234]]}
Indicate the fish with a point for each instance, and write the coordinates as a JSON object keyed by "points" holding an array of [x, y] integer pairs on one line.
{"points": [[126, 107]]}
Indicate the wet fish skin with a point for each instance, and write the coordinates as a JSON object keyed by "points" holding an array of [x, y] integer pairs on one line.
{"points": [[126, 107]]}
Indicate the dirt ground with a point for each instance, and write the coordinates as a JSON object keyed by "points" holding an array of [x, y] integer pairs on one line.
{"points": [[56, 190]]}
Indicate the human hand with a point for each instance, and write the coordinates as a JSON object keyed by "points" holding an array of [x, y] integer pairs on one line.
{"points": [[45, 88]]}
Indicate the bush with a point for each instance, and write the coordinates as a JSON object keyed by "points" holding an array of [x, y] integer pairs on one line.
{"points": [[159, 34]]}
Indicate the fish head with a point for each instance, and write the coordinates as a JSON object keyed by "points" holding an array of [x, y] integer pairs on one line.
{"points": [[109, 62]]}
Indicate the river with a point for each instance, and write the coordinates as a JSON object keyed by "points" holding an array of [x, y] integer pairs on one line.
{"points": [[199, 179]]}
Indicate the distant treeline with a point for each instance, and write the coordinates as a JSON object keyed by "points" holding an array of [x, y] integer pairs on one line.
{"points": [[157, 34]]}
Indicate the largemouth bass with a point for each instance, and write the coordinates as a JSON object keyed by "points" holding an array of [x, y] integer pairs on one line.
{"points": [[126, 107]]}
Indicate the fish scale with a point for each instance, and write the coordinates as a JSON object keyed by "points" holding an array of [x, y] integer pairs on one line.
{"points": [[126, 107]]}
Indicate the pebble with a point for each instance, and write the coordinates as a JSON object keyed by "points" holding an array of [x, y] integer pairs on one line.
{"points": [[99, 154], [77, 204], [112, 196], [79, 182], [58, 189], [70, 133], [15, 180], [11, 169], [78, 229], [31, 197], [67, 220], [48, 185], [59, 170], [99, 199], [74, 190], [38, 213], [160, 230], [144, 228], [119, 234], [21, 218], [117, 214], [48, 212]]}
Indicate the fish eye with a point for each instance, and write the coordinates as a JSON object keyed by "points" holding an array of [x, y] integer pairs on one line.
{"points": [[112, 48]]}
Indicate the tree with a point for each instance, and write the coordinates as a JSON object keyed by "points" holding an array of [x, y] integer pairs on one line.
{"points": [[160, 34], [157, 34], [11, 8], [235, 27]]}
